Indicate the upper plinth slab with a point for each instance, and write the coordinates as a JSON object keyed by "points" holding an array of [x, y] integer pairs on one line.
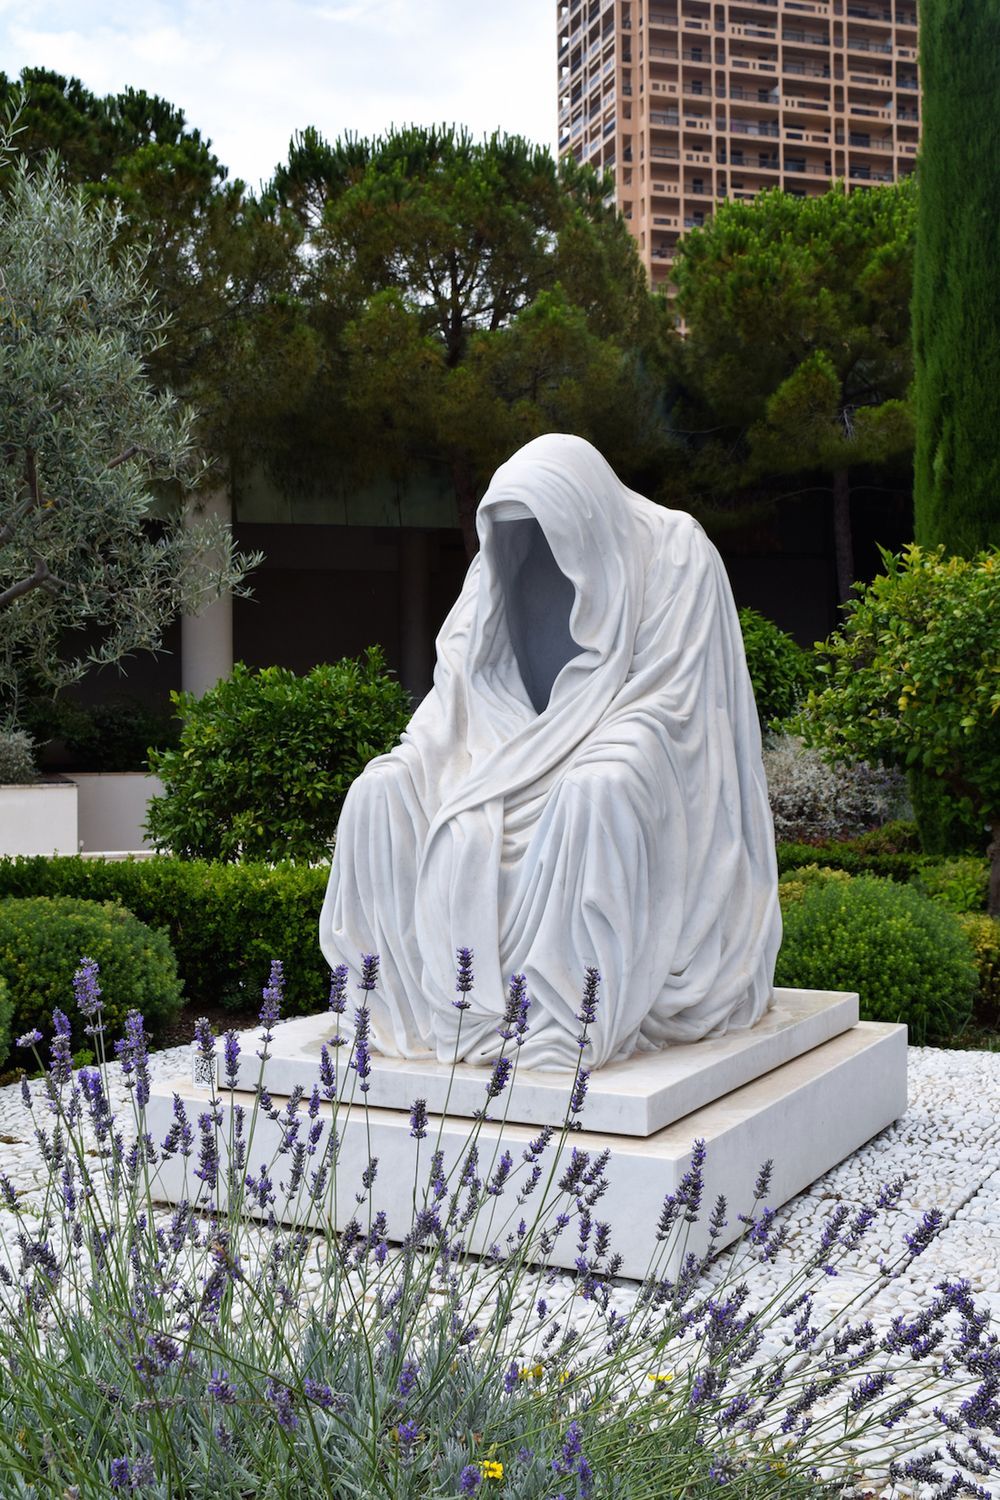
{"points": [[637, 1097]]}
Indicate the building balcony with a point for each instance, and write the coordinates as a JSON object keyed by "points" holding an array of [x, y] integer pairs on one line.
{"points": [[691, 23], [797, 167], [862, 44], [661, 18], [664, 117], [807, 137], [752, 127], [754, 164], [868, 13], [698, 158], [765, 33], [802, 69], [867, 111], [765, 98], [861, 172], [665, 54], [754, 64], [804, 38], [877, 81], [808, 7], [858, 141], [805, 106]]}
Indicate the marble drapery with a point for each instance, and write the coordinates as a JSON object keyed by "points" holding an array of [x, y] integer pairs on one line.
{"points": [[582, 786]]}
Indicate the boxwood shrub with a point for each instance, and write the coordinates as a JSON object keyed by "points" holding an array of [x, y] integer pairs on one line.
{"points": [[905, 954], [225, 922], [43, 938], [781, 672]]}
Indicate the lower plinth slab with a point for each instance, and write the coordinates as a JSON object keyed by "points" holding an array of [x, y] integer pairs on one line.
{"points": [[805, 1115], [636, 1097]]}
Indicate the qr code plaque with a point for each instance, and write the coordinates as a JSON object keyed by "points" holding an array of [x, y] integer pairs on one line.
{"points": [[203, 1071]]}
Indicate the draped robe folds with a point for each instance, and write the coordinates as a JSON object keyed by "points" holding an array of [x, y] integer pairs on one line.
{"points": [[582, 786]]}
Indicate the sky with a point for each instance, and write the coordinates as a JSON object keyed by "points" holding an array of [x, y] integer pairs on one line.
{"points": [[248, 73]]}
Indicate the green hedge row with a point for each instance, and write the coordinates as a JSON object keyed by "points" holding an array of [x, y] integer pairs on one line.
{"points": [[225, 922]]}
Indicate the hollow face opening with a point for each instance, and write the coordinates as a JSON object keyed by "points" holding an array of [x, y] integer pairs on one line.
{"points": [[538, 599]]}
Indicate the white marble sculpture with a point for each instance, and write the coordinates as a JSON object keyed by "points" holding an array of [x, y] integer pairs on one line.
{"points": [[582, 786]]}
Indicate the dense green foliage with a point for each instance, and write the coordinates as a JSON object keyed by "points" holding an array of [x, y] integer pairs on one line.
{"points": [[913, 679], [961, 883], [796, 360], [983, 936], [851, 855], [112, 736], [905, 955], [266, 758], [42, 940], [956, 292], [225, 922], [84, 578], [781, 672], [6, 1014]]}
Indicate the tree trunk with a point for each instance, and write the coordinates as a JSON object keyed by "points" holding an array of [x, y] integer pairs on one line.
{"points": [[993, 853], [843, 544], [465, 494]]}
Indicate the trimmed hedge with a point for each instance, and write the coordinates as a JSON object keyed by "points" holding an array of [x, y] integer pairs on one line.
{"points": [[42, 940], [905, 954], [225, 922], [854, 857]]}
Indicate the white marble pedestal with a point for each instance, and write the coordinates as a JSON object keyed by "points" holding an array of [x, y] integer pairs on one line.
{"points": [[805, 1088]]}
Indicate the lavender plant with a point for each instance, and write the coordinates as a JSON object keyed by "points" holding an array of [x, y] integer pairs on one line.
{"points": [[237, 1345]]}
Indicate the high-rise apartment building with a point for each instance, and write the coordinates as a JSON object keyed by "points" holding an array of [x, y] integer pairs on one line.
{"points": [[690, 101]]}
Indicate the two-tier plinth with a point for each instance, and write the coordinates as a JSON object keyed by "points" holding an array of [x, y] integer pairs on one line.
{"points": [[805, 1087]]}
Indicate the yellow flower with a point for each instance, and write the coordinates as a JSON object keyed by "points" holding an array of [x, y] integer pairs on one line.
{"points": [[530, 1372], [491, 1469], [664, 1379]]}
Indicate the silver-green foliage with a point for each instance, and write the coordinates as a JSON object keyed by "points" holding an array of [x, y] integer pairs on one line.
{"points": [[17, 758], [94, 558]]}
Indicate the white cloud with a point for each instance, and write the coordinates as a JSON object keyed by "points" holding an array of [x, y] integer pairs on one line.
{"points": [[249, 73]]}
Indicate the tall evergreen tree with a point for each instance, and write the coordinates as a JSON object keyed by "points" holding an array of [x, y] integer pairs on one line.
{"points": [[956, 302]]}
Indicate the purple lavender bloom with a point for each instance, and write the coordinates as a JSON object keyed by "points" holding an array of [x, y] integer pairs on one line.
{"points": [[408, 1433], [579, 1093], [499, 1077], [361, 1061], [471, 1476], [511, 1377], [133, 1054], [587, 1014], [418, 1119], [407, 1382], [204, 1038], [338, 989], [515, 1016], [120, 1474], [87, 989], [232, 1058], [220, 1388], [60, 1051], [327, 1074], [369, 972], [30, 1038], [464, 978], [321, 1395], [924, 1233], [280, 1398], [763, 1182], [271, 998]]}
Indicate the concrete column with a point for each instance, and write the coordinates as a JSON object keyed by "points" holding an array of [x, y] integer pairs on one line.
{"points": [[207, 638], [416, 658]]}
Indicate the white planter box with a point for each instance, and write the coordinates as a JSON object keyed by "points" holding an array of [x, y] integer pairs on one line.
{"points": [[39, 818], [112, 809]]}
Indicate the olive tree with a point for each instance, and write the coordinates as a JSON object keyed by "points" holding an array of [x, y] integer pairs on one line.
{"points": [[913, 679], [98, 549]]}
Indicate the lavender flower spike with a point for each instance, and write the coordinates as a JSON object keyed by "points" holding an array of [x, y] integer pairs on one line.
{"points": [[87, 989], [338, 989], [369, 972], [464, 978]]}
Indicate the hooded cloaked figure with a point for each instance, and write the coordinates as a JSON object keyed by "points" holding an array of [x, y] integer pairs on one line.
{"points": [[582, 786]]}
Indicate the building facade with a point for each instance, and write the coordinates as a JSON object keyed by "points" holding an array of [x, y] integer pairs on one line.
{"points": [[691, 101]]}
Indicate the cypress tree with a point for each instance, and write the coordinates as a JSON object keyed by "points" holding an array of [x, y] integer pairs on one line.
{"points": [[956, 298]]}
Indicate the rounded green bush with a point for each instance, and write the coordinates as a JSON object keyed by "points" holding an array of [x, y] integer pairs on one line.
{"points": [[781, 672], [266, 759], [42, 940], [906, 956]]}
